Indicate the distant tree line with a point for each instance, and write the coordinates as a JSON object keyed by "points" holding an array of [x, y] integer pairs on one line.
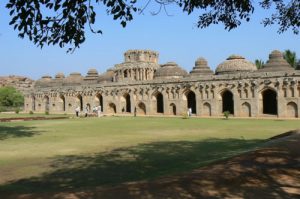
{"points": [[288, 55]]}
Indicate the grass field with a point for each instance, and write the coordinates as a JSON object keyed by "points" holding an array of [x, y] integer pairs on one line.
{"points": [[56, 155]]}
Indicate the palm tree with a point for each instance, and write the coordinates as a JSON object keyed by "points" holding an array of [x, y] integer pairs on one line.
{"points": [[290, 57], [259, 63]]}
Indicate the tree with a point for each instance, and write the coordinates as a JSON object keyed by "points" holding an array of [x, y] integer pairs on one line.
{"points": [[290, 57], [259, 63], [64, 22], [10, 97]]}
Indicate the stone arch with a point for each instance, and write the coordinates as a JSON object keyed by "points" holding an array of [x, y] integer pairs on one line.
{"points": [[33, 103], [269, 101], [190, 98], [47, 102], [173, 109], [79, 102], [292, 109], [206, 109], [227, 101], [246, 109], [126, 103], [141, 109], [99, 101], [125, 73], [159, 101], [111, 108], [63, 102]]}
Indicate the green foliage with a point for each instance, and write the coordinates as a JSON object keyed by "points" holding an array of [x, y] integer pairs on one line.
{"points": [[290, 57], [64, 22], [226, 114], [10, 97], [31, 112], [185, 115], [46, 112], [17, 110], [259, 63]]}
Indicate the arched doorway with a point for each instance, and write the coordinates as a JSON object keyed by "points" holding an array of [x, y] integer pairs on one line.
{"points": [[206, 109], [159, 103], [227, 102], [80, 102], [246, 109], [47, 103], [191, 101], [63, 102], [127, 103], [141, 109], [292, 109], [112, 108], [99, 101], [269, 102], [173, 109], [33, 103]]}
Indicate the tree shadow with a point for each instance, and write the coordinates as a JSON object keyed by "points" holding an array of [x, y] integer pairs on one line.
{"points": [[7, 132], [142, 162]]}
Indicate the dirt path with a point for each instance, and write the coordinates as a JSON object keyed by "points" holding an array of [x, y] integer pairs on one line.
{"points": [[270, 172]]}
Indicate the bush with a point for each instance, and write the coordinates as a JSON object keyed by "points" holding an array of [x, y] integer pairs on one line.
{"points": [[10, 97], [185, 116], [226, 114], [46, 112], [31, 112], [17, 110]]}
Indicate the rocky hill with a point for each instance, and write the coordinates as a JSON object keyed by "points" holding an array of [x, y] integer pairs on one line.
{"points": [[21, 83]]}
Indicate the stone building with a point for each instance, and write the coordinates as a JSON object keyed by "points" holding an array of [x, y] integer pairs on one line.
{"points": [[141, 84]]}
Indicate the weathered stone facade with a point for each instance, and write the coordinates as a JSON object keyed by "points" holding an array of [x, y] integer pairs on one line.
{"points": [[140, 84]]}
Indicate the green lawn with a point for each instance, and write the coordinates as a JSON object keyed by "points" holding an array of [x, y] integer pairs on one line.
{"points": [[56, 155]]}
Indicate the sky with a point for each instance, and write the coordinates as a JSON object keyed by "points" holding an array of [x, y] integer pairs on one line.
{"points": [[175, 37]]}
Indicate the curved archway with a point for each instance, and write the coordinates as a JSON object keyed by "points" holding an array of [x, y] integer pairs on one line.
{"points": [[127, 107], [63, 102], [112, 108], [173, 109], [80, 102], [227, 101], [141, 109], [47, 103], [191, 101], [246, 109], [33, 103], [269, 102], [99, 101], [206, 109], [292, 109]]}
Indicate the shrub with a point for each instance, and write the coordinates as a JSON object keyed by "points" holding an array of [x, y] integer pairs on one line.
{"points": [[17, 110], [185, 116], [226, 114], [46, 112], [31, 112]]}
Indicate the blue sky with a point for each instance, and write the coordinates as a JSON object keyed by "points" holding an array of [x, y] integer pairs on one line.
{"points": [[175, 37]]}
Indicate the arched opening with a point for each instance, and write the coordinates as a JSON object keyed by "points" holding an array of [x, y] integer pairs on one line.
{"points": [[292, 109], [112, 108], [159, 103], [206, 109], [191, 101], [47, 103], [99, 101], [88, 107], [141, 109], [80, 102], [227, 102], [269, 102], [246, 109], [127, 103], [125, 73], [63, 102], [33, 103], [173, 109]]}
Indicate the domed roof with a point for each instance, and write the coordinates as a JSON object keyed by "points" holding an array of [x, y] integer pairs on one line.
{"points": [[73, 78], [92, 74], [107, 76], [170, 70], [235, 64], [201, 68], [44, 81], [276, 62], [59, 76]]}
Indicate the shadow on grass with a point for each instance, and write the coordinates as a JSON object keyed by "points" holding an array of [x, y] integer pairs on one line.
{"points": [[7, 132], [144, 161]]}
